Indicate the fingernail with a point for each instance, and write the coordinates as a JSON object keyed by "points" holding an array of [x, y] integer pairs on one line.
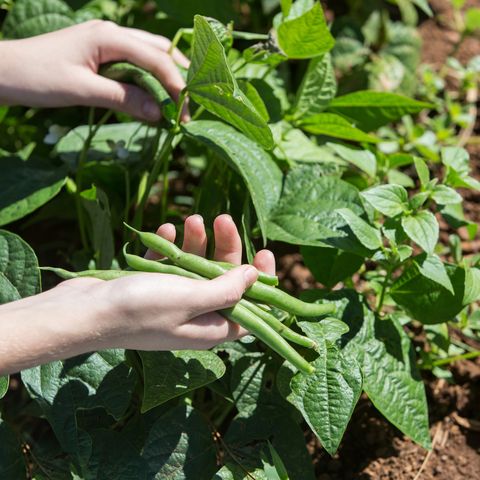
{"points": [[250, 274], [151, 110], [199, 217]]}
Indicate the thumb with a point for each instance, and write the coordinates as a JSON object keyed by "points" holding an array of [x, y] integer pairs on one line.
{"points": [[226, 290], [122, 97]]}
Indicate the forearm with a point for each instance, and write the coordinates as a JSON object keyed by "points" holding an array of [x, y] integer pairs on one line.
{"points": [[54, 325]]}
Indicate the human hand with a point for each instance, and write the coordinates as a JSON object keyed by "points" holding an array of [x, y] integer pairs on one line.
{"points": [[167, 312], [59, 69]]}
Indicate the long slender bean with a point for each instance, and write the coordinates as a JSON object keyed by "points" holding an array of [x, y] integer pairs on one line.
{"points": [[263, 277], [278, 326], [258, 291], [248, 320], [100, 274]]}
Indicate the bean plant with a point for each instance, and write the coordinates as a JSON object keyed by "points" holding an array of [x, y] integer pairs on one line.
{"points": [[334, 171]]}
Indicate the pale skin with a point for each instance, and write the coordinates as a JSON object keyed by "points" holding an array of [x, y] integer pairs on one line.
{"points": [[147, 311]]}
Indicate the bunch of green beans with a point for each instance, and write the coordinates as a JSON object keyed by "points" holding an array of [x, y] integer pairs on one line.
{"points": [[247, 313]]}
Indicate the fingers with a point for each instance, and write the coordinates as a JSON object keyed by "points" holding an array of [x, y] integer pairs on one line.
{"points": [[195, 237], [224, 291], [167, 231], [106, 93], [114, 45], [228, 244], [265, 262], [161, 43]]}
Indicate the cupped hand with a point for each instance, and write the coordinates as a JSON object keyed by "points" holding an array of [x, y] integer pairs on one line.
{"points": [[59, 69], [167, 312]]}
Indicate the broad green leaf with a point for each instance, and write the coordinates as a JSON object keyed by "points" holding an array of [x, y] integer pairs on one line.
{"points": [[19, 274], [317, 89], [4, 382], [424, 6], [426, 300], [368, 236], [444, 195], [306, 35], [12, 462], [387, 361], [328, 396], [472, 19], [100, 379], [422, 227], [371, 110], [472, 286], [212, 84], [170, 374], [234, 471], [114, 456], [292, 145], [363, 159], [121, 143], [332, 125], [180, 446], [95, 202], [276, 471], [33, 17], [391, 200], [430, 266], [305, 213], [255, 99], [185, 10], [422, 171], [286, 6], [260, 173], [26, 186], [330, 266]]}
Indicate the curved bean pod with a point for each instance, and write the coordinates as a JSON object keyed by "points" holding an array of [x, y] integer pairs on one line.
{"points": [[100, 274], [258, 291], [248, 320], [263, 277]]}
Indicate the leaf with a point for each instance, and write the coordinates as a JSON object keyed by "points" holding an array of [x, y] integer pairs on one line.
{"points": [[180, 446], [330, 266], [306, 35], [332, 125], [19, 274], [100, 379], [26, 186], [422, 171], [430, 266], [424, 6], [391, 200], [317, 89], [371, 110], [292, 145], [33, 17], [12, 462], [129, 140], [95, 202], [363, 159], [444, 195], [472, 286], [259, 172], [305, 213], [328, 396], [184, 11], [256, 100], [472, 19], [426, 300], [4, 383], [170, 374], [387, 361], [369, 236], [422, 227], [212, 84]]}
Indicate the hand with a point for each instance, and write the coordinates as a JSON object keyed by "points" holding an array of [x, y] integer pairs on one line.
{"points": [[165, 312], [59, 69]]}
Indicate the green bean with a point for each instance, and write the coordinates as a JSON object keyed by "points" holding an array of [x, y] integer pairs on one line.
{"points": [[126, 72], [263, 277], [100, 274], [258, 291], [278, 326], [248, 320]]}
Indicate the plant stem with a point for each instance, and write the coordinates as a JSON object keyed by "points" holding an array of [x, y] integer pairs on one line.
{"points": [[384, 289], [465, 356]]}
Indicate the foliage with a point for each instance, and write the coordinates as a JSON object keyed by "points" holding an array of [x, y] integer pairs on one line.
{"points": [[306, 135]]}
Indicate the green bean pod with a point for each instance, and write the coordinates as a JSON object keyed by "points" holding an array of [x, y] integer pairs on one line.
{"points": [[278, 326], [100, 274], [248, 320], [258, 291], [263, 277], [129, 73]]}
